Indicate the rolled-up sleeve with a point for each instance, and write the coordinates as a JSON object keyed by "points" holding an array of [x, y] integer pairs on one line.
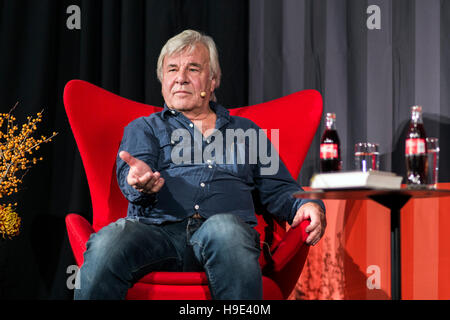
{"points": [[276, 189], [138, 140]]}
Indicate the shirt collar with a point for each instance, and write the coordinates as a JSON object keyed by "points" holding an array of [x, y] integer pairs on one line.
{"points": [[220, 111], [166, 112]]}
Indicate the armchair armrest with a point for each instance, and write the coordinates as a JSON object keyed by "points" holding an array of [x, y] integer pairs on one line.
{"points": [[289, 258], [79, 230], [293, 240]]}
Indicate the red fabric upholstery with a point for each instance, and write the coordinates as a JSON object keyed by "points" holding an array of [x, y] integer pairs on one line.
{"points": [[158, 291], [79, 230], [182, 278], [97, 118]]}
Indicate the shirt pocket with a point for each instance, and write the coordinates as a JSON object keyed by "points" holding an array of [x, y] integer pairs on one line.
{"points": [[238, 161], [165, 151]]}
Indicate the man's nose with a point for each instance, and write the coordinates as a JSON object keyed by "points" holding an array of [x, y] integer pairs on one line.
{"points": [[181, 77]]}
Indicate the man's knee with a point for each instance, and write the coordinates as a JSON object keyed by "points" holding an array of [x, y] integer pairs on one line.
{"points": [[226, 230], [107, 238], [105, 249], [229, 250]]}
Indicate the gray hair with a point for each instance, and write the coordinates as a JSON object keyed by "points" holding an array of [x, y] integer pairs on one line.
{"points": [[188, 39]]}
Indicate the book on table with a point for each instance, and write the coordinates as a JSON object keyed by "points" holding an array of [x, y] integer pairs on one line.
{"points": [[356, 180]]}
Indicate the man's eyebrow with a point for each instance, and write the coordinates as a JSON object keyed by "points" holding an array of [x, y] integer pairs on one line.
{"points": [[195, 64], [191, 64]]}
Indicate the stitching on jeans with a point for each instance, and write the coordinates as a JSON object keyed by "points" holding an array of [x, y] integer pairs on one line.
{"points": [[197, 243], [211, 279]]}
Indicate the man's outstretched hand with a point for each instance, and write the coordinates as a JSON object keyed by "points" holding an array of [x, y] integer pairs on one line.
{"points": [[141, 177]]}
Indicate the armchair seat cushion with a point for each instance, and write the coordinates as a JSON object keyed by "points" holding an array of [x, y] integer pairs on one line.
{"points": [[175, 278], [165, 289]]}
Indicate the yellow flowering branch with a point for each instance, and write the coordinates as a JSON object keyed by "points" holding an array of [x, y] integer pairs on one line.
{"points": [[9, 221], [15, 149]]}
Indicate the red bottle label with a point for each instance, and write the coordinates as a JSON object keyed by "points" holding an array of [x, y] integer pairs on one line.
{"points": [[328, 151], [415, 146]]}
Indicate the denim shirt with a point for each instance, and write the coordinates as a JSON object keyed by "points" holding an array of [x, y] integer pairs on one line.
{"points": [[204, 182]]}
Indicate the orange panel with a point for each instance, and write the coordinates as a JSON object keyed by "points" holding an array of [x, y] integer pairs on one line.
{"points": [[407, 250], [355, 230], [378, 252], [444, 245], [356, 244]]}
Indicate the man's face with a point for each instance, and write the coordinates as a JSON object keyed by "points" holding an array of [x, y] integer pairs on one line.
{"points": [[185, 76]]}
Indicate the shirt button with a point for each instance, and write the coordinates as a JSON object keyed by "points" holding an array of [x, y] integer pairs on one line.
{"points": [[202, 185], [191, 125], [196, 207]]}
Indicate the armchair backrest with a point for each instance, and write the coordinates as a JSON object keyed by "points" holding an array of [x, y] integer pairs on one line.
{"points": [[97, 118]]}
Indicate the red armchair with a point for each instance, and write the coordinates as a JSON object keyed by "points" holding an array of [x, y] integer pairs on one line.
{"points": [[97, 118]]}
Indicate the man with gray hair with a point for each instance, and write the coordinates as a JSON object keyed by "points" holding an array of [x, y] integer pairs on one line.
{"points": [[191, 215]]}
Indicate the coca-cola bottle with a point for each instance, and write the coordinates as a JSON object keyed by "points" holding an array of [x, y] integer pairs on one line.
{"points": [[330, 146], [416, 150]]}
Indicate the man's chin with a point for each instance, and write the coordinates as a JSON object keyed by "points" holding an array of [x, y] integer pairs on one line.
{"points": [[183, 108]]}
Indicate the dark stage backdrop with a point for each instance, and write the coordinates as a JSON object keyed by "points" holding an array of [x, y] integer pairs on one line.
{"points": [[116, 48], [268, 48]]}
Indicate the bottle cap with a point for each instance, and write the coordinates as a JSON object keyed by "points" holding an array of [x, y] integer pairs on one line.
{"points": [[331, 115], [416, 108]]}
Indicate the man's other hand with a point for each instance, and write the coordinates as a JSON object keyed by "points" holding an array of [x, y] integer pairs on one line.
{"points": [[141, 177], [311, 211]]}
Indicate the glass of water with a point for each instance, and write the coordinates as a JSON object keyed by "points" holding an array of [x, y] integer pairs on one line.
{"points": [[367, 156], [433, 161]]}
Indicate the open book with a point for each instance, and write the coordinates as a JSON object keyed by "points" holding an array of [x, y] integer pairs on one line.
{"points": [[356, 180]]}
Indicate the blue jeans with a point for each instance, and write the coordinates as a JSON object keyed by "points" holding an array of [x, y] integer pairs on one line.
{"points": [[223, 246]]}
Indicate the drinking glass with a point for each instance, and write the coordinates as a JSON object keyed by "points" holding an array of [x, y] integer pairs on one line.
{"points": [[367, 156], [433, 161]]}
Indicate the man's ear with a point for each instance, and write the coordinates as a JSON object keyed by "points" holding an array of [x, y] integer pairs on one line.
{"points": [[213, 85]]}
